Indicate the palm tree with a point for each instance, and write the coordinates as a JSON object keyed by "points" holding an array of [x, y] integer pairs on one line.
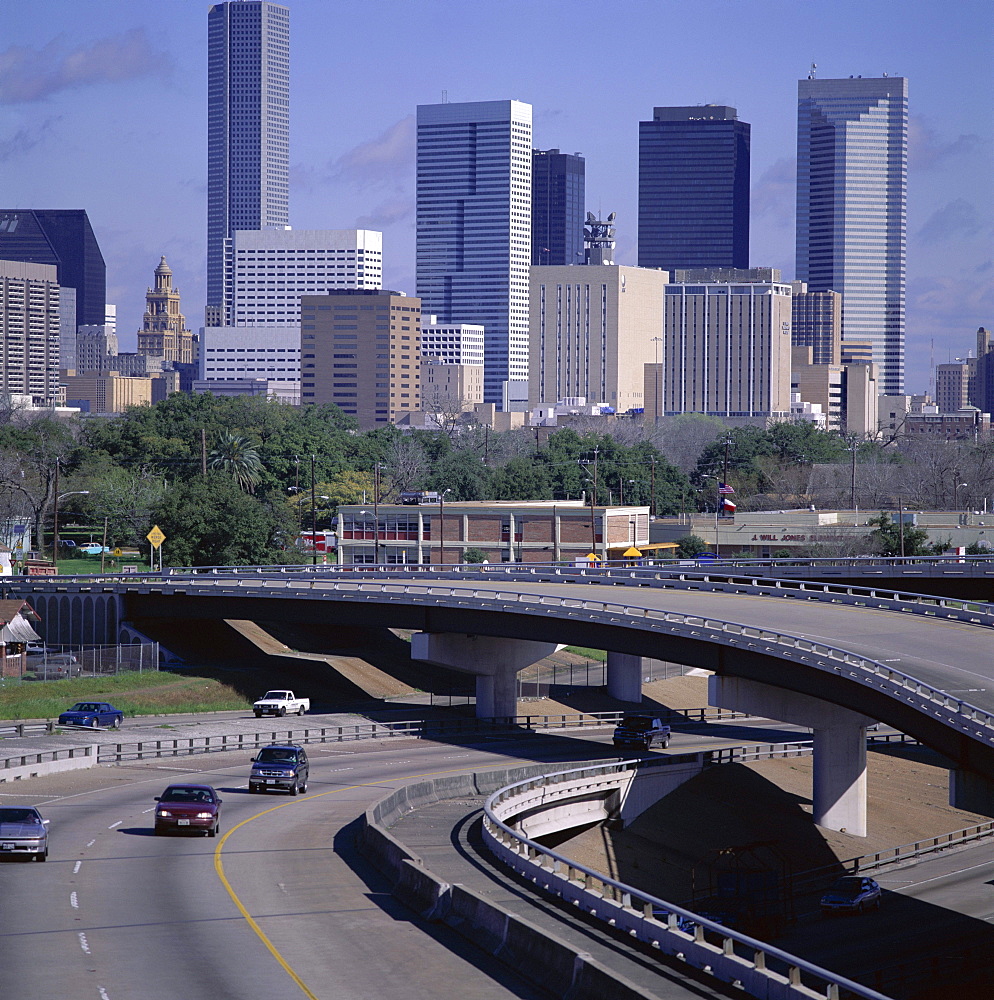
{"points": [[235, 454]]}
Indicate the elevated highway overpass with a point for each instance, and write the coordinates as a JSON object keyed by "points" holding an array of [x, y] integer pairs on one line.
{"points": [[922, 665]]}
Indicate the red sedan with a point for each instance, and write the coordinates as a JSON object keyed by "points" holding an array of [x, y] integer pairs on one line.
{"points": [[188, 808]]}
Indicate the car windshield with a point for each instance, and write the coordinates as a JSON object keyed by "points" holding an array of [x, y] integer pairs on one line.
{"points": [[19, 816], [848, 886], [84, 706], [637, 722], [186, 795], [274, 755]]}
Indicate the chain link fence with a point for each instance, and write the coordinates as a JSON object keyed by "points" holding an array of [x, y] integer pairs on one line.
{"points": [[56, 662]]}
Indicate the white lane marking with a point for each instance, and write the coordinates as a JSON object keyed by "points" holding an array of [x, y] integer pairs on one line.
{"points": [[74, 901], [118, 823], [937, 878], [454, 756], [103, 993], [148, 810], [338, 769], [91, 843], [83, 944], [76, 867]]}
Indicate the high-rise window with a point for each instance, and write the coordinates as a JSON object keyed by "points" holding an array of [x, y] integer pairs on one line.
{"points": [[694, 188], [557, 207], [248, 125], [474, 165], [852, 179]]}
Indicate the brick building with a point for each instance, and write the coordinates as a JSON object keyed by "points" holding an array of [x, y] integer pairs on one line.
{"points": [[429, 530]]}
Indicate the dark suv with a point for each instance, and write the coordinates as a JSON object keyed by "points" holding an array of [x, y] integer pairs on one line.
{"points": [[279, 767]]}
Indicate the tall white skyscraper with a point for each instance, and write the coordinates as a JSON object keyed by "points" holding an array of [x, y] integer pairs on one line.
{"points": [[248, 125], [852, 181], [474, 226], [267, 270]]}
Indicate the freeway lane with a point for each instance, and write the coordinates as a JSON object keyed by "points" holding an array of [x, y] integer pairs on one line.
{"points": [[117, 913]]}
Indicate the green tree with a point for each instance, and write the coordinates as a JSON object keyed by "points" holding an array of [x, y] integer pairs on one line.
{"points": [[474, 555], [690, 546], [236, 456], [886, 538], [211, 521]]}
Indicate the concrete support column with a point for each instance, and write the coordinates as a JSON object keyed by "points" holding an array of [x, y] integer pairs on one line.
{"points": [[494, 660], [624, 676], [838, 793]]}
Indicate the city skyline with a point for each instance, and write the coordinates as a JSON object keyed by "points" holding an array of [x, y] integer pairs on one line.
{"points": [[86, 87]]}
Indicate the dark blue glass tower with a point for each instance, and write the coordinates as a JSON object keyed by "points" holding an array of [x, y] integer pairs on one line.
{"points": [[63, 237], [557, 207], [694, 188]]}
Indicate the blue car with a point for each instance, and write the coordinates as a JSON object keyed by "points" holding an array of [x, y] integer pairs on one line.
{"points": [[92, 714], [851, 894]]}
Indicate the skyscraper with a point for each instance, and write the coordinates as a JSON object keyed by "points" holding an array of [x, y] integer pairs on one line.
{"points": [[474, 166], [248, 126], [65, 238], [29, 331], [852, 178], [360, 349], [164, 333], [694, 188], [557, 207]]}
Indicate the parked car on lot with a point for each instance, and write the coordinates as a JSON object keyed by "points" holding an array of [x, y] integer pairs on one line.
{"points": [[92, 714], [188, 809], [23, 832], [851, 894], [279, 767]]}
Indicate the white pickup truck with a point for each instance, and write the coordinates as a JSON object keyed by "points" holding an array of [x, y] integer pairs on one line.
{"points": [[280, 703]]}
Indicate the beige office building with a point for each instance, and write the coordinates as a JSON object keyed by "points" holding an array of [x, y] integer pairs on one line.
{"points": [[450, 388], [820, 384], [725, 351], [360, 349], [593, 329], [29, 331], [110, 393]]}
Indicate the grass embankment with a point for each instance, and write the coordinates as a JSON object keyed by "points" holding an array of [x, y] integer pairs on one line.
{"points": [[155, 693], [590, 654]]}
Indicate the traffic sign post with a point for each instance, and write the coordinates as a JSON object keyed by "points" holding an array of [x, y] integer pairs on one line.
{"points": [[155, 538]]}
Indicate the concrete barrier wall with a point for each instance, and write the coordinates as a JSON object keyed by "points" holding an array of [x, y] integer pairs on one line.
{"points": [[35, 765], [530, 950]]}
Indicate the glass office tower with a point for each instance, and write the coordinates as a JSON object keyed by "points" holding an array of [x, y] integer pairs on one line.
{"points": [[694, 188], [474, 165], [852, 180], [65, 238], [557, 207], [248, 125]]}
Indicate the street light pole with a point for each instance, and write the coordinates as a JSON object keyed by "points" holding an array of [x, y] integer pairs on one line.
{"points": [[376, 514]]}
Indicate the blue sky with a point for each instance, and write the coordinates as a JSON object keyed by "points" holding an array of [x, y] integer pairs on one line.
{"points": [[103, 107]]}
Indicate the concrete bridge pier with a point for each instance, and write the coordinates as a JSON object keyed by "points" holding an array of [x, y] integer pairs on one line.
{"points": [[495, 661], [839, 780], [624, 676]]}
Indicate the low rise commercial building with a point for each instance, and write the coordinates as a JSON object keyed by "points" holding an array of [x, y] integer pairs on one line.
{"points": [[430, 530]]}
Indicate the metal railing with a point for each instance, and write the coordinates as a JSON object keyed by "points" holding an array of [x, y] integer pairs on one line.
{"points": [[969, 719], [699, 941]]}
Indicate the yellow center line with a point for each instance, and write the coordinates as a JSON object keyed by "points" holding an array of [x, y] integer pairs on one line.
{"points": [[249, 919]]}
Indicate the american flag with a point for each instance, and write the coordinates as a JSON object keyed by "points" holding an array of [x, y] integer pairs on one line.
{"points": [[725, 488]]}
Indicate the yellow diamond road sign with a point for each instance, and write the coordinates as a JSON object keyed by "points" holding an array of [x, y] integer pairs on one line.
{"points": [[155, 536], [117, 553]]}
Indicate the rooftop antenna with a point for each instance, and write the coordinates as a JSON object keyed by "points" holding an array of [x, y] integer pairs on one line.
{"points": [[813, 72], [445, 97]]}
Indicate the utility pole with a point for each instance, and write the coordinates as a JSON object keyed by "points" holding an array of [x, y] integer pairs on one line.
{"points": [[652, 496], [55, 517], [314, 519], [203, 451], [103, 548], [376, 514]]}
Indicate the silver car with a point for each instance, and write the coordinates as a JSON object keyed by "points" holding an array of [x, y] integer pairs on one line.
{"points": [[23, 832]]}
